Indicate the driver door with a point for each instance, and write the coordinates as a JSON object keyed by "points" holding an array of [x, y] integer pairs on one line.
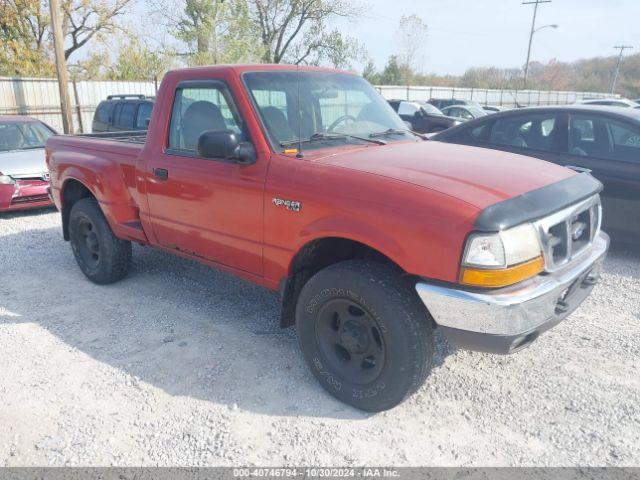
{"points": [[610, 148], [208, 208]]}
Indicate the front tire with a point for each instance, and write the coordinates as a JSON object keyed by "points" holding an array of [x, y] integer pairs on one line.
{"points": [[364, 334], [101, 256]]}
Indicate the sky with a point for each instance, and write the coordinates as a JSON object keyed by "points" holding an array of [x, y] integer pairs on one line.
{"points": [[468, 33]]}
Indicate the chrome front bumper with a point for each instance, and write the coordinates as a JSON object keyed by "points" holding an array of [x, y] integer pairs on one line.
{"points": [[508, 319]]}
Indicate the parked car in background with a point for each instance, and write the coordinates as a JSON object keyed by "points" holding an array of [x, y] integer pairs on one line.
{"points": [[494, 108], [610, 102], [123, 113], [604, 140], [24, 177], [465, 112], [423, 117], [441, 103]]}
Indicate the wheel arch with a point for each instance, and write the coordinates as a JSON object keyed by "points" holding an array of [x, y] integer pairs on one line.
{"points": [[320, 253], [72, 190]]}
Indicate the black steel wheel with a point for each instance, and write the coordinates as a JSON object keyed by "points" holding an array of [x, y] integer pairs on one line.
{"points": [[365, 334], [88, 244], [101, 256], [350, 340]]}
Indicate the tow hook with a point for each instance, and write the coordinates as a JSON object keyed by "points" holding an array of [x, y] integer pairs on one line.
{"points": [[561, 307], [591, 279]]}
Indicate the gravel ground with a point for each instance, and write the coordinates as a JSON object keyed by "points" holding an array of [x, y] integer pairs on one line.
{"points": [[182, 365]]}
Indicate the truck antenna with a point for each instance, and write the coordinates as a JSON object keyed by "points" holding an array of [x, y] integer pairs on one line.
{"points": [[299, 154]]}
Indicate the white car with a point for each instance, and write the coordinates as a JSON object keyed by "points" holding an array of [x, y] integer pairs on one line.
{"points": [[611, 102]]}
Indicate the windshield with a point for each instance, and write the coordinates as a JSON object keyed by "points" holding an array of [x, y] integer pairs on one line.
{"points": [[476, 111], [430, 109], [334, 107], [23, 135]]}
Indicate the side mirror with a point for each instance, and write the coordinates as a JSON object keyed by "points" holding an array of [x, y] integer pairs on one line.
{"points": [[225, 144]]}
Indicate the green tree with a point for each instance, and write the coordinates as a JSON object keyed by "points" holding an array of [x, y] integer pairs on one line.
{"points": [[93, 67], [370, 73], [392, 73], [25, 33], [137, 61], [217, 31], [24, 39]]}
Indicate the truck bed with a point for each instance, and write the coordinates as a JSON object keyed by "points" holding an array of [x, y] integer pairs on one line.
{"points": [[137, 136]]}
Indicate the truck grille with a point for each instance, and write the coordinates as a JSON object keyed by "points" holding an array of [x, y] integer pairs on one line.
{"points": [[568, 233]]}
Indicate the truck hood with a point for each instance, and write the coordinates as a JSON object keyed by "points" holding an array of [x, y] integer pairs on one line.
{"points": [[478, 176], [23, 162]]}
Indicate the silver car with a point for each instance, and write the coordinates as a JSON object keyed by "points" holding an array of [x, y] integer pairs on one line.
{"points": [[24, 177]]}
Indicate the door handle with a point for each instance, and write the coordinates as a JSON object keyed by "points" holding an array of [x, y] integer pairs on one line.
{"points": [[161, 173]]}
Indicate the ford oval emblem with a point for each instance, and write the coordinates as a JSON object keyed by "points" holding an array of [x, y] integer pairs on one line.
{"points": [[577, 229]]}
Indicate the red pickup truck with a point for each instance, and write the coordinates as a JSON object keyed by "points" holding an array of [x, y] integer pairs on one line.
{"points": [[307, 182]]}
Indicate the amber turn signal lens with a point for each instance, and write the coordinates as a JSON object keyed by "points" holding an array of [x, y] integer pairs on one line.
{"points": [[503, 277]]}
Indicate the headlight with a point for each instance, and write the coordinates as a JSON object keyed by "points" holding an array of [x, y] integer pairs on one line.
{"points": [[503, 258], [6, 180]]}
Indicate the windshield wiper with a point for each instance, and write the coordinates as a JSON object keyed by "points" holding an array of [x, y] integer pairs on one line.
{"points": [[396, 131], [319, 136]]}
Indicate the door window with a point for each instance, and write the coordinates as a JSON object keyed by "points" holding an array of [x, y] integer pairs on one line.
{"points": [[409, 109], [602, 137], [198, 109], [453, 112], [144, 114], [624, 136], [480, 133], [116, 113], [534, 131], [125, 119], [465, 114], [104, 112]]}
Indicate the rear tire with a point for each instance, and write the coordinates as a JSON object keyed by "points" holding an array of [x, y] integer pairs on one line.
{"points": [[101, 256], [364, 334]]}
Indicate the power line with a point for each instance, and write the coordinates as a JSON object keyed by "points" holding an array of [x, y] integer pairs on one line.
{"points": [[622, 48], [535, 3]]}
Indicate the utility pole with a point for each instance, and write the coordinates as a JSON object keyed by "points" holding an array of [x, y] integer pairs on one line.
{"points": [[61, 66], [535, 4], [622, 48]]}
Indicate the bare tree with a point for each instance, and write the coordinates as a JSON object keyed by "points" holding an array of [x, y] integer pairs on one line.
{"points": [[411, 37], [296, 30], [85, 19]]}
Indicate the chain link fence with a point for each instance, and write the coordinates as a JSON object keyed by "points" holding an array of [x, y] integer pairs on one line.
{"points": [[507, 98], [40, 98]]}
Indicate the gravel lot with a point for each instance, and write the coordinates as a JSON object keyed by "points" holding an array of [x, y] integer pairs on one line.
{"points": [[182, 365]]}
